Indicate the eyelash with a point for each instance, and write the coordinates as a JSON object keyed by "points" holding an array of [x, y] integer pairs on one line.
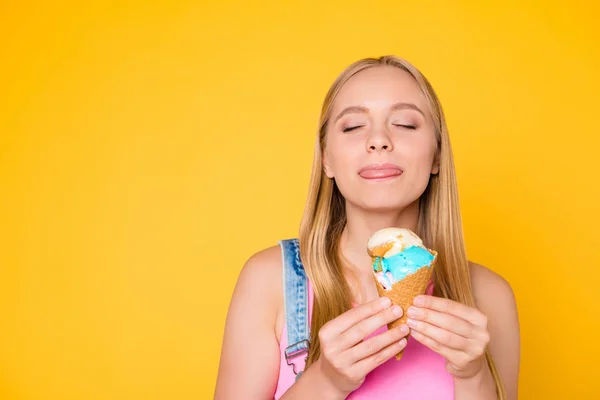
{"points": [[351, 128], [406, 126]]}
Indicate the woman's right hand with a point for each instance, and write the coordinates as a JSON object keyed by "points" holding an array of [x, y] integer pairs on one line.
{"points": [[346, 358]]}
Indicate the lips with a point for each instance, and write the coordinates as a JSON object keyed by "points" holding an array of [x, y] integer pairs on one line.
{"points": [[380, 171]]}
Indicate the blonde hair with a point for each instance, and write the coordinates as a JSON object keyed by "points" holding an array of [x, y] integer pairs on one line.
{"points": [[439, 222]]}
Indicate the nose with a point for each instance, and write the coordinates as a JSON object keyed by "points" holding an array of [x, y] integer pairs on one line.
{"points": [[379, 141]]}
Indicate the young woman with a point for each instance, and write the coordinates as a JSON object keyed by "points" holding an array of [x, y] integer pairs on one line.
{"points": [[382, 159]]}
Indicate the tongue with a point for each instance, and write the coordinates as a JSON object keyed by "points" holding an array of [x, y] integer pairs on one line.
{"points": [[380, 173]]}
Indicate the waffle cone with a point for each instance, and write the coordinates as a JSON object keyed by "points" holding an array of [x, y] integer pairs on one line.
{"points": [[403, 292]]}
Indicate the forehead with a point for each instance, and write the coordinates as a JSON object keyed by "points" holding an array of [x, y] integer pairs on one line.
{"points": [[378, 88]]}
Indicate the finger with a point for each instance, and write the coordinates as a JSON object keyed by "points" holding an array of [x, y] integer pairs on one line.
{"points": [[442, 336], [453, 356], [355, 315], [368, 364], [445, 321], [373, 345], [369, 325], [448, 306]]}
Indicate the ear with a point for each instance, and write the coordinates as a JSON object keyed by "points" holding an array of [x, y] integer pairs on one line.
{"points": [[435, 168], [326, 166]]}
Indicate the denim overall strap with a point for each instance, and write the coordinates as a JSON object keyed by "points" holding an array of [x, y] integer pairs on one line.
{"points": [[295, 303]]}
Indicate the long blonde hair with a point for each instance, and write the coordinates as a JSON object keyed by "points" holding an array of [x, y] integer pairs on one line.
{"points": [[439, 222]]}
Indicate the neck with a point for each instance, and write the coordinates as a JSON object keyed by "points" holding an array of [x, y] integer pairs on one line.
{"points": [[361, 224]]}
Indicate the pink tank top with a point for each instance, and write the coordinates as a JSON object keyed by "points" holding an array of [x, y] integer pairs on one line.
{"points": [[420, 374]]}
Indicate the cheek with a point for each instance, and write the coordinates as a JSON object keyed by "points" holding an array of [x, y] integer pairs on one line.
{"points": [[426, 157], [419, 152], [341, 156]]}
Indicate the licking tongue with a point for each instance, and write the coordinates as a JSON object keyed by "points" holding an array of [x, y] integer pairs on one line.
{"points": [[380, 173]]}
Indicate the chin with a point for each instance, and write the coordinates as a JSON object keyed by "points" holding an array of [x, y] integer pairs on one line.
{"points": [[382, 204], [378, 199]]}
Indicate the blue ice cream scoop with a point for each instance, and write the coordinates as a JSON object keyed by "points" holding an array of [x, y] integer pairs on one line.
{"points": [[404, 263]]}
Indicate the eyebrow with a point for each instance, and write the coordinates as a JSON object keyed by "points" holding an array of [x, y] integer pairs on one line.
{"points": [[395, 107]]}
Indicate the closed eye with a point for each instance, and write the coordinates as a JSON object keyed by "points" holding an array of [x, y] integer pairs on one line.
{"points": [[351, 128], [405, 126]]}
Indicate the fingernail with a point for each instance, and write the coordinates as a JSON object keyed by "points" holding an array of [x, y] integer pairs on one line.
{"points": [[402, 342], [412, 312], [404, 329], [386, 302], [411, 322], [397, 311], [419, 301]]}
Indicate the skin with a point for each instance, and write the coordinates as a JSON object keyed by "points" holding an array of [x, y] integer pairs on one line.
{"points": [[380, 130]]}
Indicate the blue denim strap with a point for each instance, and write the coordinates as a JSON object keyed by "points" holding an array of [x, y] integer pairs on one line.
{"points": [[295, 303]]}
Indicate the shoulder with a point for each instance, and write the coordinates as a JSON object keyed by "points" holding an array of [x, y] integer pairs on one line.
{"points": [[260, 284], [263, 264], [494, 297], [490, 289], [249, 336], [261, 274]]}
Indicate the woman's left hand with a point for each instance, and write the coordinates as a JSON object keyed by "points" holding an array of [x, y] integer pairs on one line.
{"points": [[454, 330]]}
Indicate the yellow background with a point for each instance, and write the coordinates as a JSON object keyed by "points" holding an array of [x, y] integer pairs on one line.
{"points": [[137, 137]]}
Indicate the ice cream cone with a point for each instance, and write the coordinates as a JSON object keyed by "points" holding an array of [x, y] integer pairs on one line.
{"points": [[404, 291]]}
